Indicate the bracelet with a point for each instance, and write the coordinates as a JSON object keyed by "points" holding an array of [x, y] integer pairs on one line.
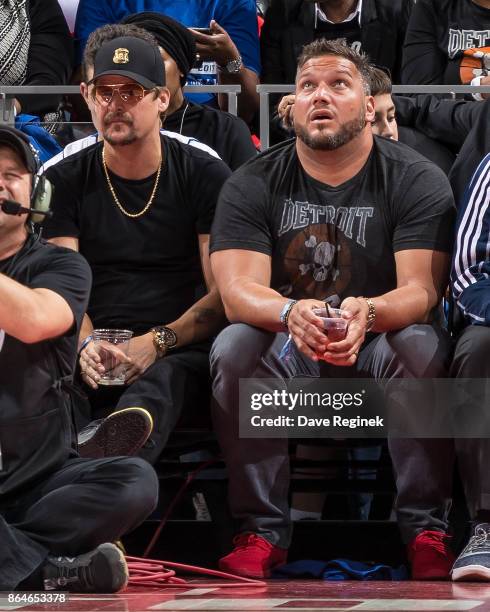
{"points": [[87, 340], [371, 316], [286, 311]]}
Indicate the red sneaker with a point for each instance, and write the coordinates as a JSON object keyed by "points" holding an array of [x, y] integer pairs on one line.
{"points": [[253, 556], [430, 556]]}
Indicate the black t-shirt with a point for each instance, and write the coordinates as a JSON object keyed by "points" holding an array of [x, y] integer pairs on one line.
{"points": [[447, 41], [335, 241], [35, 432], [228, 135], [350, 30], [146, 270]]}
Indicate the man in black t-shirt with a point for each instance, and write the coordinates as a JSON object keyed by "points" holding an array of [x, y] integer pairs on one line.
{"points": [[139, 207], [447, 41], [365, 223], [57, 511]]}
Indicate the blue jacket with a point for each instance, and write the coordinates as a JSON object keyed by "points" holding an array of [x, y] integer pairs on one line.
{"points": [[470, 276]]}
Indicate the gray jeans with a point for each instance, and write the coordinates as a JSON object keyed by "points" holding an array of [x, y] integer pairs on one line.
{"points": [[259, 468]]}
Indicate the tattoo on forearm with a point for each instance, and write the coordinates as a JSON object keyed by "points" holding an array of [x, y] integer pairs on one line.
{"points": [[205, 316]]}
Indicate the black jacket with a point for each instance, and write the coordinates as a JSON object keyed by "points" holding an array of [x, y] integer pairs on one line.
{"points": [[462, 126], [50, 60], [289, 25]]}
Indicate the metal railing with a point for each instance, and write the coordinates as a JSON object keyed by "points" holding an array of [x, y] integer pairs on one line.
{"points": [[8, 93], [264, 92]]}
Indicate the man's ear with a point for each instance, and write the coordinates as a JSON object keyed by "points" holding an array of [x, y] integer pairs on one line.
{"points": [[163, 99], [370, 112], [84, 90]]}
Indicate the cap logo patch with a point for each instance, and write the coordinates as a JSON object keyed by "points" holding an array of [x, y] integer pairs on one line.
{"points": [[121, 56]]}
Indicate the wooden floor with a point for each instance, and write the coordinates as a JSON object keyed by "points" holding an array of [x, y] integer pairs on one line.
{"points": [[280, 596]]}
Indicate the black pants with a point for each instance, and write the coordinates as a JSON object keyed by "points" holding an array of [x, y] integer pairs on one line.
{"points": [[170, 387], [85, 503]]}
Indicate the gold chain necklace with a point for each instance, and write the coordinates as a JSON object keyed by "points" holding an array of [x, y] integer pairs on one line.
{"points": [[119, 205]]}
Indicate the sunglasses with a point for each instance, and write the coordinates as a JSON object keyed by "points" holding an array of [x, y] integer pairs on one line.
{"points": [[130, 93]]}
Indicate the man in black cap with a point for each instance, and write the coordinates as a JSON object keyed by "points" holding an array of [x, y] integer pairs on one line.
{"points": [[228, 135], [139, 207], [52, 502]]}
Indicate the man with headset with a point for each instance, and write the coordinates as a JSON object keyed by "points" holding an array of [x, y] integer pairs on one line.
{"points": [[57, 511]]}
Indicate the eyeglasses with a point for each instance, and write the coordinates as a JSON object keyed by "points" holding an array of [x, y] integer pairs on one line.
{"points": [[130, 93]]}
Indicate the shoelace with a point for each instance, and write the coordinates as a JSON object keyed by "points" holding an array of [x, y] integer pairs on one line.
{"points": [[161, 574], [250, 539], [437, 541], [479, 539]]}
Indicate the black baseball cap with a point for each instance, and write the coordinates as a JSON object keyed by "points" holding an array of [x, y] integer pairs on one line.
{"points": [[131, 57], [20, 143]]}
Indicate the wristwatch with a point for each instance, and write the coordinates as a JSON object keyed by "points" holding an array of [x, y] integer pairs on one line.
{"points": [[233, 66], [164, 339]]}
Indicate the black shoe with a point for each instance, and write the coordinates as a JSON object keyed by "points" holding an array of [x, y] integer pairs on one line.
{"points": [[102, 570], [122, 433], [473, 564]]}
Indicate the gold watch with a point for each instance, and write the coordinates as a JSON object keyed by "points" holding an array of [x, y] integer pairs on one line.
{"points": [[164, 339]]}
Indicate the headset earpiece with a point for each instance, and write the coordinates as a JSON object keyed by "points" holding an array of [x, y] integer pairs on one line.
{"points": [[40, 198]]}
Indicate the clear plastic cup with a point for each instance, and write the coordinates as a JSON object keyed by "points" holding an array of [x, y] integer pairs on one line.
{"points": [[334, 324], [112, 346]]}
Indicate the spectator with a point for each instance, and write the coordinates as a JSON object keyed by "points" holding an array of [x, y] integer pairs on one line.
{"points": [[57, 511], [471, 293], [139, 207], [230, 53], [95, 41], [462, 126], [377, 27], [448, 41], [226, 134], [385, 121], [385, 124], [34, 32], [271, 277]]}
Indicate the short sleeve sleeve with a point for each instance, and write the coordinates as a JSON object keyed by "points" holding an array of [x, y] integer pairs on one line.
{"points": [[425, 210], [239, 19], [241, 217], [64, 205], [205, 190], [68, 274]]}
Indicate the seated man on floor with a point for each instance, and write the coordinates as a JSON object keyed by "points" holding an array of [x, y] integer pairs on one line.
{"points": [[58, 512], [139, 207], [335, 214]]}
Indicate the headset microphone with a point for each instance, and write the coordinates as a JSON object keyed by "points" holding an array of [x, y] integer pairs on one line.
{"points": [[10, 207]]}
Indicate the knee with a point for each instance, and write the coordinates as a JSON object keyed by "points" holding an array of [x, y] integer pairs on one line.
{"points": [[139, 487], [422, 350], [471, 353], [235, 352]]}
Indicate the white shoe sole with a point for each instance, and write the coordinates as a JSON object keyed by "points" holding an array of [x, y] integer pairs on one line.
{"points": [[122, 433], [471, 573]]}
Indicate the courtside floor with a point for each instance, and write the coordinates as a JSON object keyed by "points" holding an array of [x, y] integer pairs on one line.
{"points": [[282, 596]]}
